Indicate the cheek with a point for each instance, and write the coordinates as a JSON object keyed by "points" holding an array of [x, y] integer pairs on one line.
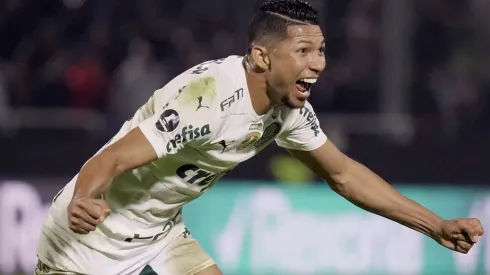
{"points": [[289, 60], [279, 75], [284, 71], [293, 60]]}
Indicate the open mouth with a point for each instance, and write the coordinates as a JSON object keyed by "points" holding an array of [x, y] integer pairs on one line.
{"points": [[304, 85]]}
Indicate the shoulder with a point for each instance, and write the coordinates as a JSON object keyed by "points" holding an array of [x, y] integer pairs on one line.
{"points": [[198, 93], [224, 70], [218, 74], [305, 113], [225, 76], [301, 130], [213, 78], [300, 117]]}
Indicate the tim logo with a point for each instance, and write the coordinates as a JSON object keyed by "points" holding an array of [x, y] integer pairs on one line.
{"points": [[169, 121], [237, 95]]}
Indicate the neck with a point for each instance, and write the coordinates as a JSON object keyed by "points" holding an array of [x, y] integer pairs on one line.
{"points": [[257, 86]]}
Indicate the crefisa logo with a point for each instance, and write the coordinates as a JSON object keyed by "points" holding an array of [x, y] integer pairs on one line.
{"points": [[187, 134]]}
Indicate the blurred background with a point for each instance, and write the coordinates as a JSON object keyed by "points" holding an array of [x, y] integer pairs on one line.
{"points": [[406, 92]]}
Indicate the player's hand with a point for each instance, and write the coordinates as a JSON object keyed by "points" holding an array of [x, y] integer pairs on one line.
{"points": [[460, 234], [84, 214]]}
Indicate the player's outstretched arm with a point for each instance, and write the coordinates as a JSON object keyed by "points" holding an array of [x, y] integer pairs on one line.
{"points": [[364, 188], [87, 207]]}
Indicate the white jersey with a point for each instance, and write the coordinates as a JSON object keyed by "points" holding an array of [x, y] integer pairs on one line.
{"points": [[201, 125]]}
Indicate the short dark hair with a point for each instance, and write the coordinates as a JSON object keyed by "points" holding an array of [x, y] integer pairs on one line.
{"points": [[274, 17]]}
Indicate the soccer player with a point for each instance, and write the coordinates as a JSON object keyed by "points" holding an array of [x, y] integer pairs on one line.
{"points": [[122, 213]]}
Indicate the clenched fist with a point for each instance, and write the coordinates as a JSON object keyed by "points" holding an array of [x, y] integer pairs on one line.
{"points": [[460, 234], [84, 214]]}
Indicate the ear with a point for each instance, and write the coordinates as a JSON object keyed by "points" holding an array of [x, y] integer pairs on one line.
{"points": [[260, 57]]}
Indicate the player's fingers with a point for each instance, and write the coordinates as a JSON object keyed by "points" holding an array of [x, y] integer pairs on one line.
{"points": [[460, 237], [461, 250], [105, 214], [84, 226], [79, 226], [106, 211], [83, 215], [469, 230], [471, 236], [474, 237], [466, 237], [80, 231], [455, 245], [465, 246], [92, 209]]}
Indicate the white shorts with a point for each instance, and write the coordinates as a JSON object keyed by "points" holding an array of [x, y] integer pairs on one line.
{"points": [[182, 255]]}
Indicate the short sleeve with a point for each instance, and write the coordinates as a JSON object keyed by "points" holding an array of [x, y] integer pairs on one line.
{"points": [[172, 129], [188, 110], [302, 131], [180, 123]]}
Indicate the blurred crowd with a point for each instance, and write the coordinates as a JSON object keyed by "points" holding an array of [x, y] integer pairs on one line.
{"points": [[450, 74], [105, 55], [111, 55]]}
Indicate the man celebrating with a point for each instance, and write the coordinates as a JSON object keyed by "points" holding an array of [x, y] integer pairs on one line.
{"points": [[122, 213]]}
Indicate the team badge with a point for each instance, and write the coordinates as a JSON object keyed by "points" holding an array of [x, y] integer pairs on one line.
{"points": [[249, 140], [269, 133]]}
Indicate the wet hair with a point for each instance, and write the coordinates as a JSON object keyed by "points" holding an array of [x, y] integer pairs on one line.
{"points": [[274, 16]]}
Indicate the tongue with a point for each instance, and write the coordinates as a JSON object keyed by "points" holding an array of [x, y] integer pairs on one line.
{"points": [[302, 87]]}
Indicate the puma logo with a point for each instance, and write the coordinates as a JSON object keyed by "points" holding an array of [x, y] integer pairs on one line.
{"points": [[199, 101], [224, 145]]}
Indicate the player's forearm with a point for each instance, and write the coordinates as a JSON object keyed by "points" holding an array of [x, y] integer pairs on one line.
{"points": [[367, 190], [96, 175]]}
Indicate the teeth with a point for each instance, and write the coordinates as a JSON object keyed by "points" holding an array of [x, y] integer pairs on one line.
{"points": [[309, 80]]}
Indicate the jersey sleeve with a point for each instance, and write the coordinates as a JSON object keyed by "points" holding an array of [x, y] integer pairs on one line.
{"points": [[171, 130], [185, 118], [304, 132]]}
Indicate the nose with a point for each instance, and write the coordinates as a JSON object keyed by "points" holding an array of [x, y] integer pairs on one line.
{"points": [[317, 64]]}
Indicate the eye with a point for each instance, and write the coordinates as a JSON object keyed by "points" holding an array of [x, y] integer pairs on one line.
{"points": [[303, 50], [321, 50]]}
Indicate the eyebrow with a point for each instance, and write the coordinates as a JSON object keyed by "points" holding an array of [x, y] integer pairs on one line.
{"points": [[309, 42]]}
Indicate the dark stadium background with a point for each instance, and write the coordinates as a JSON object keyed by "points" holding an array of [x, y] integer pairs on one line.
{"points": [[406, 92]]}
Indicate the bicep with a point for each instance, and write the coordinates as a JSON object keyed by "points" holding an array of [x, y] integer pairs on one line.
{"points": [[327, 161], [131, 151]]}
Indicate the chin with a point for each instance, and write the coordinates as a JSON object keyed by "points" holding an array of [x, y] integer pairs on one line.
{"points": [[294, 103]]}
